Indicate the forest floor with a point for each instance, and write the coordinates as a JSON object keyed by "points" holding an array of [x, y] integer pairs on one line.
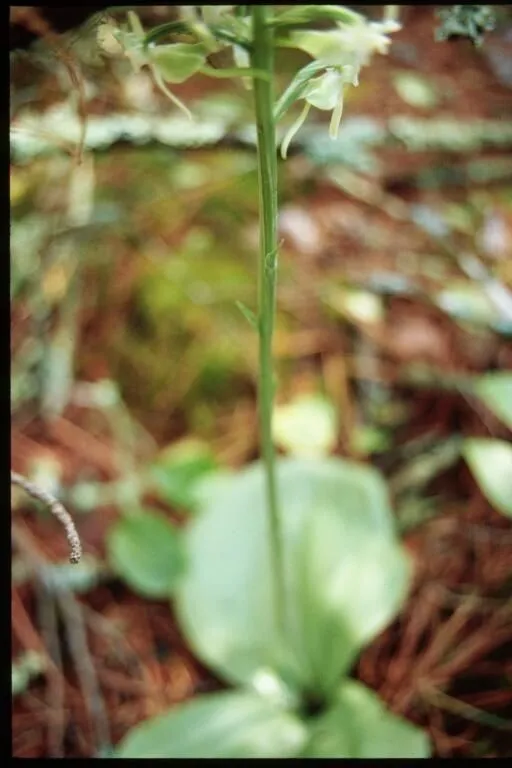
{"points": [[115, 658]]}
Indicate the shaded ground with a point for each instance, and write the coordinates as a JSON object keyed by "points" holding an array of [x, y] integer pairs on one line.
{"points": [[446, 663]]}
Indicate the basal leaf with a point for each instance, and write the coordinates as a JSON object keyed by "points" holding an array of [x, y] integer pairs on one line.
{"points": [[359, 725], [225, 725], [491, 463], [225, 602], [146, 552], [495, 389]]}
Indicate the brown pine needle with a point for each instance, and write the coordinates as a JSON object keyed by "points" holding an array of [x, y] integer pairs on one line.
{"points": [[56, 509]]}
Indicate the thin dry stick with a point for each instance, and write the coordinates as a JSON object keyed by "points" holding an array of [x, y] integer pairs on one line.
{"points": [[56, 509], [71, 612], [55, 692]]}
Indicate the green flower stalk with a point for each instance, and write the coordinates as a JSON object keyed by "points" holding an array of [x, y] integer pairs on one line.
{"points": [[263, 60]]}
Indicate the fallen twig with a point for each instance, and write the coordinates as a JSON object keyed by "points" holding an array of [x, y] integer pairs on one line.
{"points": [[55, 695], [71, 612], [56, 509]]}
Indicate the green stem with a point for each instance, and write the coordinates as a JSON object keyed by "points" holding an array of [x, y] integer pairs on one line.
{"points": [[262, 56]]}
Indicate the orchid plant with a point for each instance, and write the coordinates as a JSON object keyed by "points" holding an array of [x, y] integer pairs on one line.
{"points": [[293, 565]]}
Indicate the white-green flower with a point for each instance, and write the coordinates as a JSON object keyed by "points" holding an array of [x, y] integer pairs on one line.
{"points": [[325, 92], [352, 44], [342, 51], [168, 63]]}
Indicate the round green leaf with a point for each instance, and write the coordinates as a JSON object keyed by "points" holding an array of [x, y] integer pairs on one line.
{"points": [[225, 602], [491, 463], [219, 725], [146, 552], [178, 61], [495, 389], [359, 725]]}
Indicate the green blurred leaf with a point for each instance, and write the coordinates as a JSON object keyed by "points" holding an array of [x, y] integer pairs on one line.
{"points": [[353, 585], [420, 470], [415, 90], [491, 463], [413, 511], [306, 427], [495, 389], [359, 725], [468, 302], [367, 439], [145, 550], [179, 471], [227, 725]]}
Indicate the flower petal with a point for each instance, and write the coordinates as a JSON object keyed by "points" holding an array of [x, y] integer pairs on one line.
{"points": [[324, 92], [293, 130], [324, 46], [334, 125], [178, 61]]}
